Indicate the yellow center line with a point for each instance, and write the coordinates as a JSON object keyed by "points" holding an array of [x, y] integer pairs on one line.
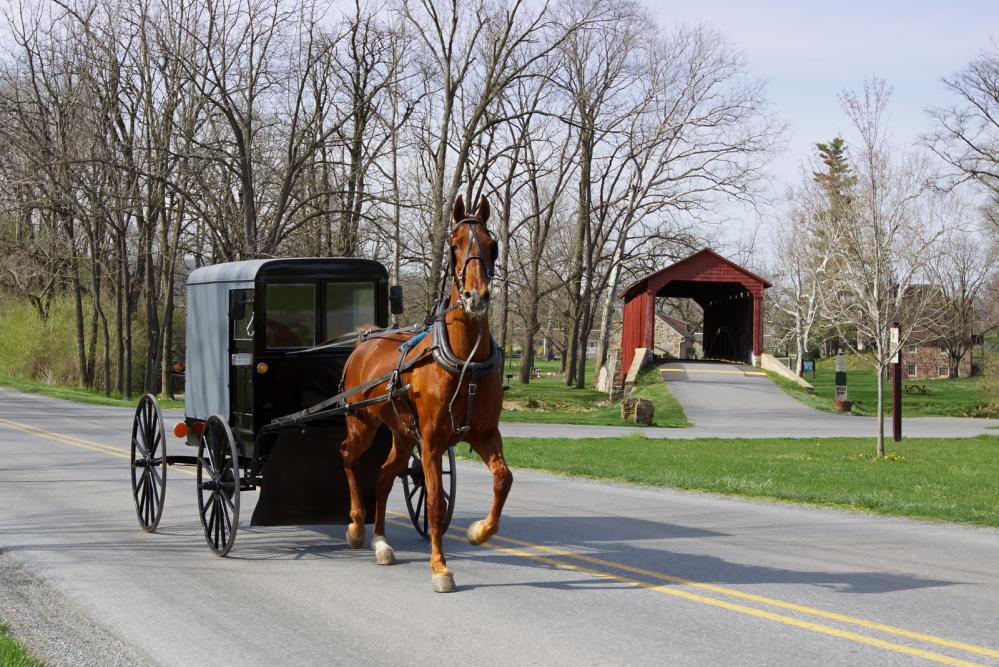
{"points": [[702, 370], [729, 606], [843, 618], [77, 442], [659, 588]]}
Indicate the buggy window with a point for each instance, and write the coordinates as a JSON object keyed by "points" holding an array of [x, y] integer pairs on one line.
{"points": [[291, 315], [349, 306]]}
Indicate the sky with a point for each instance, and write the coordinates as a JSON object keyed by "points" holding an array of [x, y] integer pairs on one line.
{"points": [[808, 52]]}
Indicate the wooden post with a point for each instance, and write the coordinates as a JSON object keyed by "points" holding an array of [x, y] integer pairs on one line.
{"points": [[896, 385]]}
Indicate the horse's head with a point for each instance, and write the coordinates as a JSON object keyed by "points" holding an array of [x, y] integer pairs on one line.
{"points": [[473, 257]]}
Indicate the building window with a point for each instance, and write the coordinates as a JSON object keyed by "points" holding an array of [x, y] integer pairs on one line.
{"points": [[910, 369], [943, 372], [912, 348], [943, 348]]}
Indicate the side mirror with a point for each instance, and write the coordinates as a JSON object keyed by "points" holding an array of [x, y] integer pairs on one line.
{"points": [[237, 305], [395, 299]]}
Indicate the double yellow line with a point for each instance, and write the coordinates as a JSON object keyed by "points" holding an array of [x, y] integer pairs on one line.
{"points": [[674, 586], [565, 558]]}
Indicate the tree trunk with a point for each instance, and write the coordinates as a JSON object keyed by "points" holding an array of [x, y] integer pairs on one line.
{"points": [[578, 248], [119, 327], [74, 273], [530, 331], [880, 451], [799, 366], [126, 290], [607, 316]]}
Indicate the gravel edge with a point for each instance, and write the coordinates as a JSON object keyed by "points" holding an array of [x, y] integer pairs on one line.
{"points": [[53, 628]]}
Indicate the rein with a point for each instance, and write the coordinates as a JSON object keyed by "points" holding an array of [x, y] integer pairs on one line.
{"points": [[435, 325]]}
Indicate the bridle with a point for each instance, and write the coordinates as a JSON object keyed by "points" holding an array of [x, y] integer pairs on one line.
{"points": [[475, 253]]}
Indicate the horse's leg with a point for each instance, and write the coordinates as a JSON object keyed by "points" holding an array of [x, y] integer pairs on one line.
{"points": [[361, 428], [394, 465], [490, 449], [442, 579]]}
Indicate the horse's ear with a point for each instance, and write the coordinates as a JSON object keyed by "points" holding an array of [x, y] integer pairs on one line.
{"points": [[459, 209], [483, 212]]}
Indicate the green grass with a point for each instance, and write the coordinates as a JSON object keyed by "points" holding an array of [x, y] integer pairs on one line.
{"points": [[950, 397], [12, 654], [77, 394], [809, 398], [548, 400], [948, 479]]}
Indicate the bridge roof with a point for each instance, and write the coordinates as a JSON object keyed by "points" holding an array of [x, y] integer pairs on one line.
{"points": [[705, 266]]}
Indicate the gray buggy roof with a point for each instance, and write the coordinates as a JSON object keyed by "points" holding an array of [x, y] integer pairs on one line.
{"points": [[229, 272]]}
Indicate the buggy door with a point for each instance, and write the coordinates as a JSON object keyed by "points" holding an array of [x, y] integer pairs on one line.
{"points": [[241, 334]]}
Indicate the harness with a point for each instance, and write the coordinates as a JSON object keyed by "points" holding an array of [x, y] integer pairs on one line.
{"points": [[435, 326]]}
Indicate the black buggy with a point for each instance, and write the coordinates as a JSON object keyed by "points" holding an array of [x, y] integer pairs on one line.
{"points": [[266, 341]]}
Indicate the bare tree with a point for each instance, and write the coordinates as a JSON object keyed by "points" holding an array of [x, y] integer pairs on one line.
{"points": [[884, 244], [475, 50], [805, 250], [966, 134], [962, 271]]}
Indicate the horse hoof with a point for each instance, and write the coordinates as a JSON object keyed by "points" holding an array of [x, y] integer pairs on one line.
{"points": [[444, 583], [356, 541], [384, 554], [474, 534]]}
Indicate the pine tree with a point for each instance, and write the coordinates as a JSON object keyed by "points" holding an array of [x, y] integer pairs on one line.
{"points": [[837, 180]]}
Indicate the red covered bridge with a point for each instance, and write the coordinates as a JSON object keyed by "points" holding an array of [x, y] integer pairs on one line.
{"points": [[731, 297]]}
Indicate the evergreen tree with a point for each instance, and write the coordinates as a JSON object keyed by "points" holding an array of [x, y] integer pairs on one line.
{"points": [[836, 181]]}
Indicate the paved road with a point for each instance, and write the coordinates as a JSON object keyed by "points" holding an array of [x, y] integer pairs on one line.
{"points": [[584, 573], [732, 400]]}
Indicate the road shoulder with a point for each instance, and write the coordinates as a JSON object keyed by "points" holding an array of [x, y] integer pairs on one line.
{"points": [[54, 628]]}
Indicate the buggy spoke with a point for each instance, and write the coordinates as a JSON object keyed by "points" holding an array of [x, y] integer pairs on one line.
{"points": [[211, 520], [218, 524], [137, 489], [209, 504], [139, 447], [228, 501], [157, 480]]}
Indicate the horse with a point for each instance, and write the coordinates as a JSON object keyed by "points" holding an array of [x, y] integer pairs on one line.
{"points": [[445, 387]]}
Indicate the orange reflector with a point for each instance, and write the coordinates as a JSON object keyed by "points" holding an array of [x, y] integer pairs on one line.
{"points": [[262, 367], [180, 430]]}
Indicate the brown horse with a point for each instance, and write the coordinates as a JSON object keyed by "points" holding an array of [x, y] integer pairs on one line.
{"points": [[434, 411]]}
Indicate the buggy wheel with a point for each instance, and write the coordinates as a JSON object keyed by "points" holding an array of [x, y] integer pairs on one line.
{"points": [[416, 491], [149, 464], [218, 485]]}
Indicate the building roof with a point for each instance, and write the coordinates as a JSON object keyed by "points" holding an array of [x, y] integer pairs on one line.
{"points": [[677, 325]]}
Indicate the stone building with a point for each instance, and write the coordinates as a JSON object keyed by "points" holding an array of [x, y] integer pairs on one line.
{"points": [[929, 360]]}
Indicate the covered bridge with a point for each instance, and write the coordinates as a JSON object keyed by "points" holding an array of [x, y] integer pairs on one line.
{"points": [[730, 296]]}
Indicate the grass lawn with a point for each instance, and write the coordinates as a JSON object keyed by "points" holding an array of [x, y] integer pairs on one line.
{"points": [[548, 400], [951, 397], [948, 479], [77, 394], [13, 654]]}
